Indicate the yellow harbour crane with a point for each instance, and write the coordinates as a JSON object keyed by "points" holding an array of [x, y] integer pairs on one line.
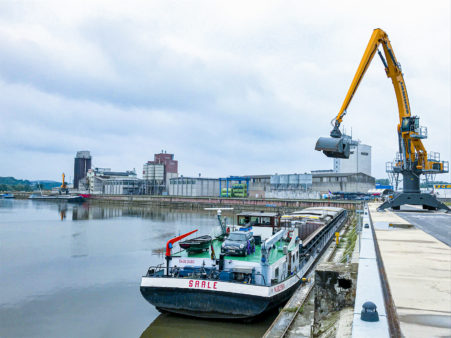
{"points": [[64, 188], [412, 159]]}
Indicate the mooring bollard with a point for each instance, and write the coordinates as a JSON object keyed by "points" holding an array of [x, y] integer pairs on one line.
{"points": [[369, 312]]}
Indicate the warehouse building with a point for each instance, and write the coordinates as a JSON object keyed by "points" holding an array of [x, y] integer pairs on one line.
{"points": [[291, 182], [325, 182], [122, 186], [292, 186], [193, 186], [259, 185]]}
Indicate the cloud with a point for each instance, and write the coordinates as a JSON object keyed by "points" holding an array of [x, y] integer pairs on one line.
{"points": [[230, 88]]}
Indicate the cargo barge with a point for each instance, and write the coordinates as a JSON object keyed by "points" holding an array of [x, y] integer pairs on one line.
{"points": [[243, 271], [65, 198]]}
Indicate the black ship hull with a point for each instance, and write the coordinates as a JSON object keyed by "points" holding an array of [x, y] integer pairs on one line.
{"points": [[214, 304]]}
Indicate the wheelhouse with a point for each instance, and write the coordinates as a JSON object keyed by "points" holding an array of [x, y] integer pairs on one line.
{"points": [[255, 219]]}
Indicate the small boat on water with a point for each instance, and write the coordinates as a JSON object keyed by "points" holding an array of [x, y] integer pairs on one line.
{"points": [[65, 198], [238, 272], [7, 196]]}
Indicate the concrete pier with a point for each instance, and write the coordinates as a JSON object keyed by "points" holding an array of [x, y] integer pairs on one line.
{"points": [[418, 273]]}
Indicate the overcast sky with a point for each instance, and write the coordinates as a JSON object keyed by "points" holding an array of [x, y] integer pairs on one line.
{"points": [[229, 87]]}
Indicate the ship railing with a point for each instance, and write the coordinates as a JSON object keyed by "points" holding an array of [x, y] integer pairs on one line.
{"points": [[204, 273], [155, 270]]}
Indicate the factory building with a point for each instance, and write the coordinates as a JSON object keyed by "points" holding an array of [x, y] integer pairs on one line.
{"points": [[153, 176], [258, 185], [359, 161], [271, 186], [292, 186], [153, 171], [122, 186], [81, 166], [105, 181], [325, 182], [193, 186], [158, 173], [291, 182], [170, 165]]}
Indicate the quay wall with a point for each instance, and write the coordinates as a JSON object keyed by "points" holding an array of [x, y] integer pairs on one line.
{"points": [[204, 202], [238, 203]]}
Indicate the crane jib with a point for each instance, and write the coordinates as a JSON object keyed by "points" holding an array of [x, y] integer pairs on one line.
{"points": [[404, 95], [382, 58]]}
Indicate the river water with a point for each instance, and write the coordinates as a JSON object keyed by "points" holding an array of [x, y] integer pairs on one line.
{"points": [[69, 270]]}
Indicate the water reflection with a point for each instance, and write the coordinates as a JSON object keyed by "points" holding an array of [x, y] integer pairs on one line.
{"points": [[79, 241], [62, 208], [167, 325], [63, 264], [87, 211]]}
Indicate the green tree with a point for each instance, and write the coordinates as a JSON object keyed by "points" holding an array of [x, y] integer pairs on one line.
{"points": [[383, 181]]}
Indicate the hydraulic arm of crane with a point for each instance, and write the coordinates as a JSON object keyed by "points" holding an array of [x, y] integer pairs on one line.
{"points": [[414, 155]]}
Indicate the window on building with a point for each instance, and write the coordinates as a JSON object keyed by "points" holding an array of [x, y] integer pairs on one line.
{"points": [[364, 154]]}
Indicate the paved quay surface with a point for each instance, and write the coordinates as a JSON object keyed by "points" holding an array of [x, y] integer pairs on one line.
{"points": [[437, 224], [418, 269]]}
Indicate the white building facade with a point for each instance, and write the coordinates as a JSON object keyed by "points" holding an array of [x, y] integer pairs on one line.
{"points": [[359, 161], [194, 186]]}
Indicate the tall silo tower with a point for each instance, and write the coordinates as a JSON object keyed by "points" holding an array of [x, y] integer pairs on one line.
{"points": [[81, 166]]}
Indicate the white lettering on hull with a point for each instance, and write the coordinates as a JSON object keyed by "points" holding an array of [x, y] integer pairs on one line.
{"points": [[246, 289]]}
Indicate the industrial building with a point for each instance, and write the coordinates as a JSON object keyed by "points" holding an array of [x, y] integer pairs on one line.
{"points": [[158, 173], [291, 182], [105, 181], [81, 166], [193, 186], [123, 186], [254, 186], [326, 182], [359, 161], [292, 186], [258, 185]]}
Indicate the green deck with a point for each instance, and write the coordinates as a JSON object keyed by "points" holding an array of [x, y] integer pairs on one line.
{"points": [[254, 257]]}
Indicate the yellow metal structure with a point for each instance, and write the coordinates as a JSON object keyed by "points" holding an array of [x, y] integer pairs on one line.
{"points": [[64, 188], [64, 185], [411, 147], [413, 160]]}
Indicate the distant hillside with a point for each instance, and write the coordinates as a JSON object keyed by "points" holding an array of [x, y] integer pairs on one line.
{"points": [[13, 184]]}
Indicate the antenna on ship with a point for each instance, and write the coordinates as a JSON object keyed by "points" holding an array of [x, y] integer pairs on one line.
{"points": [[222, 223]]}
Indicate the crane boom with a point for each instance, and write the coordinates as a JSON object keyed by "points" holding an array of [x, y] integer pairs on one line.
{"points": [[413, 160], [392, 68]]}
